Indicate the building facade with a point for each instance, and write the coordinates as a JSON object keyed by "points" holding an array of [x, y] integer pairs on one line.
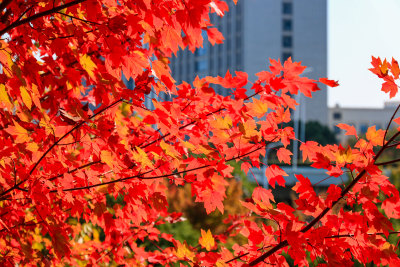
{"points": [[256, 30], [360, 118]]}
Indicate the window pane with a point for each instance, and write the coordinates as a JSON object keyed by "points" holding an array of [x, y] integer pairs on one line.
{"points": [[287, 25], [201, 65], [287, 8], [337, 116], [286, 55], [363, 128], [287, 41]]}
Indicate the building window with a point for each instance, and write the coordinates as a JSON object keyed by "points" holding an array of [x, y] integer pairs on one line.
{"points": [[201, 51], [337, 116], [180, 70], [287, 41], [286, 55], [287, 8], [200, 65], [211, 60], [287, 25], [219, 66], [238, 60], [363, 128]]}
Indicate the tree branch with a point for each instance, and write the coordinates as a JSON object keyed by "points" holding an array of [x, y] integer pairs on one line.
{"points": [[74, 170], [352, 235], [38, 15], [326, 210], [180, 128], [55, 144], [140, 176], [387, 162], [83, 20], [4, 4], [391, 119]]}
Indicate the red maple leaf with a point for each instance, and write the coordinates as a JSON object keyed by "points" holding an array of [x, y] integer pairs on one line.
{"points": [[275, 174]]}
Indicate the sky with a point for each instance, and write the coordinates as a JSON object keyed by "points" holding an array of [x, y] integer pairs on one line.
{"points": [[358, 29]]}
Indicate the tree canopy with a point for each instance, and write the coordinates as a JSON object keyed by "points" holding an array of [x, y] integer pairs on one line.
{"points": [[85, 166]]}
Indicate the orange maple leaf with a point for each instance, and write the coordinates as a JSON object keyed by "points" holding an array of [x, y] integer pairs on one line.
{"points": [[284, 155], [375, 136], [275, 174], [207, 240], [257, 108], [350, 130], [18, 131]]}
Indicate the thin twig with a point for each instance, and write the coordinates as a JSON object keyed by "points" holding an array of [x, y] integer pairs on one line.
{"points": [[55, 144], [39, 15], [83, 20], [387, 127], [326, 210], [140, 176]]}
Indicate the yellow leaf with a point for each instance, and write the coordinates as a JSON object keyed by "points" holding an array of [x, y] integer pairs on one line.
{"points": [[19, 131], [207, 240], [37, 246], [257, 108], [184, 252], [188, 145], [220, 263], [96, 235], [36, 96], [344, 156], [375, 136], [32, 147], [107, 158], [222, 123], [6, 61], [26, 98], [141, 157], [5, 100], [88, 65], [169, 150], [248, 128]]}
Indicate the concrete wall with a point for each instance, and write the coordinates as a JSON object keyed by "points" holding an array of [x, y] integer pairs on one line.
{"points": [[254, 31], [360, 118]]}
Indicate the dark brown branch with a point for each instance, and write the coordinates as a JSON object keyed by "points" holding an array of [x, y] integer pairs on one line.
{"points": [[326, 210], [55, 144], [180, 128], [391, 119], [23, 13], [67, 36], [140, 176], [74, 170], [193, 122], [352, 235], [38, 15], [4, 4], [393, 145], [68, 66], [83, 20], [387, 162], [69, 132]]}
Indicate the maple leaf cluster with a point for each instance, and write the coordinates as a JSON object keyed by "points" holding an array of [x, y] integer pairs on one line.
{"points": [[85, 166]]}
